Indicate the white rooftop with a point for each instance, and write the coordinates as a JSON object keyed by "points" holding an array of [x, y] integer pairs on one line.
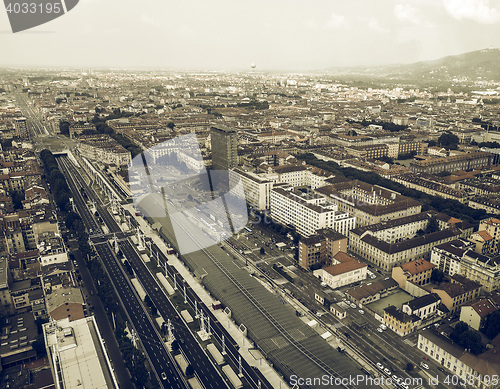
{"points": [[78, 358]]}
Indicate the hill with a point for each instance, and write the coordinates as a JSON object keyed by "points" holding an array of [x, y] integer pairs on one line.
{"points": [[473, 66]]}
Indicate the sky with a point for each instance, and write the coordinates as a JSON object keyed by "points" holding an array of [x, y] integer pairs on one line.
{"points": [[276, 35]]}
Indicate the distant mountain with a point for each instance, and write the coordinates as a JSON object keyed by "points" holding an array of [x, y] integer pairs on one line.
{"points": [[481, 64]]}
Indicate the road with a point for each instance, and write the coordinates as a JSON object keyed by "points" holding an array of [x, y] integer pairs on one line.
{"points": [[152, 343], [35, 126], [166, 309], [204, 369]]}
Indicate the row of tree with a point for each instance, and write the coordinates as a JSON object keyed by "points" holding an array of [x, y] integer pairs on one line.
{"points": [[387, 126], [57, 181]]}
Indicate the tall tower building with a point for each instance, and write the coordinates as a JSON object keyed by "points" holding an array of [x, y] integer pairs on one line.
{"points": [[21, 128], [224, 142]]}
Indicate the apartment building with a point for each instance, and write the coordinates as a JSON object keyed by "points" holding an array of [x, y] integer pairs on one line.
{"points": [[76, 129], [257, 189], [417, 272], [370, 204], [5, 298], [492, 227], [393, 231], [369, 151], [295, 175], [224, 143], [307, 212], [457, 292], [407, 147], [458, 361], [453, 163], [319, 249], [65, 303], [415, 181], [491, 204], [475, 313], [400, 322], [459, 257], [104, 149], [387, 255], [345, 271]]}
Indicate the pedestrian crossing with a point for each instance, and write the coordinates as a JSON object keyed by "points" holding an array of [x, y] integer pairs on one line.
{"points": [[409, 342]]}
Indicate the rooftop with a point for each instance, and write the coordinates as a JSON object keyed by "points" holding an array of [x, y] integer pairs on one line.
{"points": [[344, 267], [423, 301], [400, 315], [77, 350], [417, 266], [62, 296]]}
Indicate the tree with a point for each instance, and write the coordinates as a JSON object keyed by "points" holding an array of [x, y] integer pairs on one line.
{"points": [[448, 140], [175, 345], [147, 300], [154, 310], [189, 370], [410, 366], [471, 340], [437, 276], [171, 125], [432, 143], [432, 226], [262, 251], [70, 219], [64, 127], [459, 329], [492, 326]]}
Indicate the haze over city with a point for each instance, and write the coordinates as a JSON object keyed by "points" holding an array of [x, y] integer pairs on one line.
{"points": [[277, 35], [250, 195]]}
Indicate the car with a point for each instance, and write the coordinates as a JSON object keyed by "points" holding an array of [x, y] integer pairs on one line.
{"points": [[373, 276], [380, 329], [425, 358], [163, 376], [353, 306], [383, 326], [424, 365], [387, 371], [395, 378], [403, 385], [347, 335], [361, 311], [380, 366], [441, 369]]}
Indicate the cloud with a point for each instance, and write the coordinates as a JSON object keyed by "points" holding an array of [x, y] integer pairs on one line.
{"points": [[150, 21], [374, 25], [311, 24], [336, 21], [406, 13], [479, 11]]}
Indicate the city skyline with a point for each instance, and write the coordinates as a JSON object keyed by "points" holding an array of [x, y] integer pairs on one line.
{"points": [[220, 35]]}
